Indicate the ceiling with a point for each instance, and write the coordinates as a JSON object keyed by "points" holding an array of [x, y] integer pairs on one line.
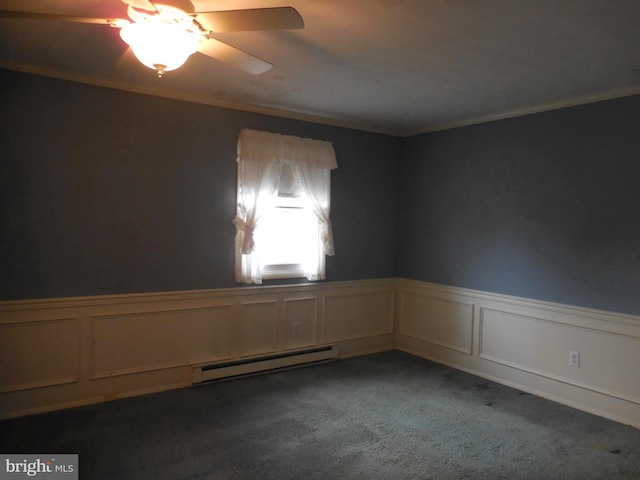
{"points": [[399, 67]]}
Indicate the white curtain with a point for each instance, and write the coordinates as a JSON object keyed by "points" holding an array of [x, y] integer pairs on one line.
{"points": [[260, 159], [316, 185], [257, 182]]}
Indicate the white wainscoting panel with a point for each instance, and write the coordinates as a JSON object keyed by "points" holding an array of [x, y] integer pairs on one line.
{"points": [[445, 323], [301, 322], [526, 343], [259, 328], [60, 353], [38, 354], [350, 316], [140, 342], [542, 347]]}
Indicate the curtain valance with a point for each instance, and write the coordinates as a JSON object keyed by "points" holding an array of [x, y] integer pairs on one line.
{"points": [[254, 145]]}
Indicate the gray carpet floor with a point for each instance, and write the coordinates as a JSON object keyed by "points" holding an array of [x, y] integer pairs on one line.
{"points": [[383, 416]]}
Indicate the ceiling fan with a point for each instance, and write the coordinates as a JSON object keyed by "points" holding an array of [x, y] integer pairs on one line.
{"points": [[163, 34]]}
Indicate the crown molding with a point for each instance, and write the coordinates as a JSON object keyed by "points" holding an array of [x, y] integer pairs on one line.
{"points": [[201, 99], [567, 103], [319, 119]]}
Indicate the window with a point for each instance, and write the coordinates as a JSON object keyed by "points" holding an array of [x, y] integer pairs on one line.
{"points": [[282, 220], [287, 237]]}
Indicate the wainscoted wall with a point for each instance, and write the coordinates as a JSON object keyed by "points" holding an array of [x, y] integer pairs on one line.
{"points": [[66, 352], [526, 344]]}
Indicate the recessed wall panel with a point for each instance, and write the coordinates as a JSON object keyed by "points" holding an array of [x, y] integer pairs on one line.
{"points": [[441, 322], [258, 326], [300, 322], [37, 354], [608, 361], [138, 342], [358, 315]]}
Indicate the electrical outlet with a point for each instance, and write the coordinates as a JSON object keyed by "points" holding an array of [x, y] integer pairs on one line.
{"points": [[574, 359]]}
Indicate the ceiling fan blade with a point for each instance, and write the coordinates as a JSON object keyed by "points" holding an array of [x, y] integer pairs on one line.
{"points": [[141, 4], [278, 18], [62, 18], [226, 53]]}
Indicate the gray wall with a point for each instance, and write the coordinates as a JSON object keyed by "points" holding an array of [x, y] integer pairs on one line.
{"points": [[544, 206], [106, 192]]}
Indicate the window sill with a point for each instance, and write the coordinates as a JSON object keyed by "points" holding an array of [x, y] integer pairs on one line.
{"points": [[274, 272]]}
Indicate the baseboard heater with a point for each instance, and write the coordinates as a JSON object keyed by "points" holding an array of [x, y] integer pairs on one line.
{"points": [[261, 364]]}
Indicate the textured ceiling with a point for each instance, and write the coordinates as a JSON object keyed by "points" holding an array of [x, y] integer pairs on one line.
{"points": [[397, 67]]}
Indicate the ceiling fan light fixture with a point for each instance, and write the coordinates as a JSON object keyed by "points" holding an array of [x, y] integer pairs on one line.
{"points": [[160, 46], [165, 34]]}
